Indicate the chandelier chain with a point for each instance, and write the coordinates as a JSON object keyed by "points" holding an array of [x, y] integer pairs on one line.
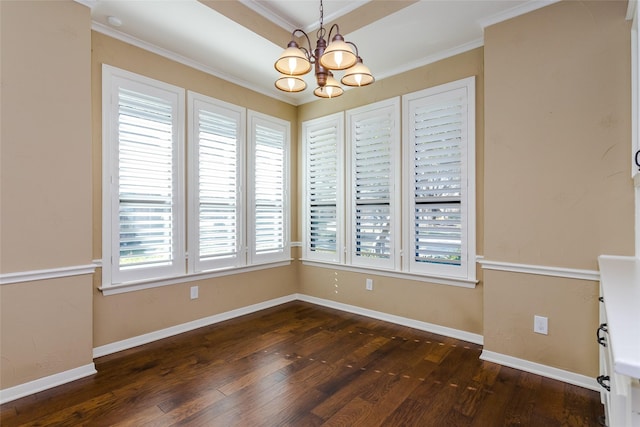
{"points": [[321, 30]]}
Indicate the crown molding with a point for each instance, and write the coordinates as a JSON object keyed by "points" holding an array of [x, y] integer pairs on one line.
{"points": [[515, 11], [118, 35]]}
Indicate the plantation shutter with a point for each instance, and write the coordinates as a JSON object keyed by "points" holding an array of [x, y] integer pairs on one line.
{"points": [[373, 142], [437, 181], [217, 137], [270, 186], [439, 199], [143, 146], [323, 175]]}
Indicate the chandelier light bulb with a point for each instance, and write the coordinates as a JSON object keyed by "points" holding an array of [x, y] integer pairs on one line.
{"points": [[338, 58], [292, 65]]}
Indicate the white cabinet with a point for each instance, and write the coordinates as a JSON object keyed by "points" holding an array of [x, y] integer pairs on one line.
{"points": [[619, 340]]}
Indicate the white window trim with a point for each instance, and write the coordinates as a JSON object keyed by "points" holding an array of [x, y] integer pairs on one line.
{"points": [[393, 263], [186, 278], [253, 119], [195, 103], [334, 120], [112, 79], [467, 270]]}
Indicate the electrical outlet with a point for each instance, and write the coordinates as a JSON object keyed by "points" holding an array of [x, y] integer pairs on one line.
{"points": [[194, 292], [369, 284], [540, 325]]}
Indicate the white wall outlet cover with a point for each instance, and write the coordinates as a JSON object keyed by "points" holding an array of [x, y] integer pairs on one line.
{"points": [[540, 325]]}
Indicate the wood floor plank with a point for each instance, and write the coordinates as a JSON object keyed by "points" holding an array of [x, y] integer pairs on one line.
{"points": [[254, 376], [385, 396], [301, 365], [351, 414], [495, 402]]}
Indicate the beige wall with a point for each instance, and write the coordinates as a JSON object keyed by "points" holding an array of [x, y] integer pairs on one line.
{"points": [[449, 306], [128, 315], [123, 316], [558, 192], [45, 187], [45, 135], [45, 328]]}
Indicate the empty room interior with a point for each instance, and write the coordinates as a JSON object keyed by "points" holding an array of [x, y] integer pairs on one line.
{"points": [[442, 230]]}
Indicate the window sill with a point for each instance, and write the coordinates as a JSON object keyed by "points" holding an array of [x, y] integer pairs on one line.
{"points": [[440, 280], [121, 288]]}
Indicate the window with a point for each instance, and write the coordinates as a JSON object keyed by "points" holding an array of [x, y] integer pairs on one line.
{"points": [[232, 199], [420, 226], [142, 198], [216, 164], [439, 151], [268, 148], [323, 171], [374, 216]]}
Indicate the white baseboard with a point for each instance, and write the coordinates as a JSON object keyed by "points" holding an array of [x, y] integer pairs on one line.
{"points": [[185, 327], [539, 369], [404, 321], [35, 386]]}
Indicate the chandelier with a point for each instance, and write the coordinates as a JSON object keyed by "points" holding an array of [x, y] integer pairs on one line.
{"points": [[296, 61]]}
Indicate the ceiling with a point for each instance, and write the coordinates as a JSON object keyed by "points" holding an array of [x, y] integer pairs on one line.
{"points": [[239, 40]]}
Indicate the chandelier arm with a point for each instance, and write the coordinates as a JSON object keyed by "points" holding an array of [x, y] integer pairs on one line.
{"points": [[306, 51], [354, 45], [331, 29]]}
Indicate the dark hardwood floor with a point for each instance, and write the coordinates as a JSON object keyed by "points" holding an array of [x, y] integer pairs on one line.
{"points": [[304, 365]]}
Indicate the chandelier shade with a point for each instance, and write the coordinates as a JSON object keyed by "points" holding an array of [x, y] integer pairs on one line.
{"points": [[289, 83], [331, 89], [339, 55], [293, 61], [358, 75]]}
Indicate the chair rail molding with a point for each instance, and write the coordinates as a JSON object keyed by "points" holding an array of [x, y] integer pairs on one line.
{"points": [[45, 274], [540, 270]]}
